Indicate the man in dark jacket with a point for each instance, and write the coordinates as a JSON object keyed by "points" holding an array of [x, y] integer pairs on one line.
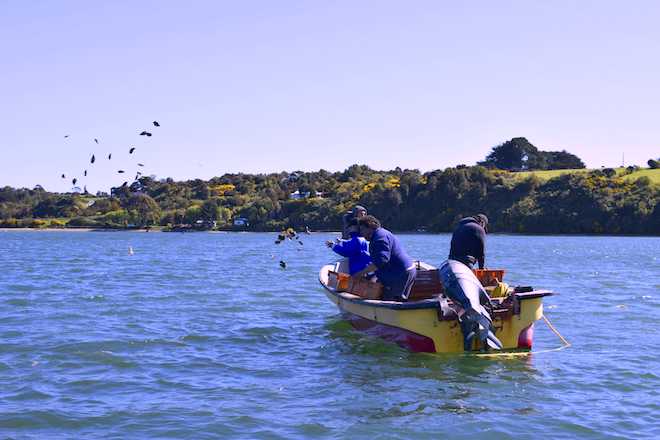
{"points": [[393, 267], [468, 243], [463, 287]]}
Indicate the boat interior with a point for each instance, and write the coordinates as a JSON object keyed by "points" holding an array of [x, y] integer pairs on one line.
{"points": [[427, 292]]}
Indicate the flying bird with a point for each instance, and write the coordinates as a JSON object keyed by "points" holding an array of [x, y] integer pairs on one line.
{"points": [[96, 140], [156, 124], [74, 181], [124, 184], [131, 150], [93, 159], [140, 164], [109, 156], [145, 133], [63, 176], [283, 264], [85, 173], [120, 171], [66, 136]]}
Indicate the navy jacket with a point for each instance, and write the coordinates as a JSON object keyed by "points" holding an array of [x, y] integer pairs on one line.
{"points": [[356, 250], [389, 256], [468, 243]]}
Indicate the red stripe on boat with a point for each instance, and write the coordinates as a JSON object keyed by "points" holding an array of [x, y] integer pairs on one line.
{"points": [[526, 336], [404, 338]]}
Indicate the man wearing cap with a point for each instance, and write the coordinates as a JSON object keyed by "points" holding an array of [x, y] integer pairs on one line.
{"points": [[468, 244], [356, 213]]}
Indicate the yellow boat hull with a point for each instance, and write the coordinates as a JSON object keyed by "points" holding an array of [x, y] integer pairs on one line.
{"points": [[420, 326]]}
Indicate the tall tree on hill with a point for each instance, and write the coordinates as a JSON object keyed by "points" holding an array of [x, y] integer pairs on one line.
{"points": [[514, 155], [562, 160], [519, 154]]}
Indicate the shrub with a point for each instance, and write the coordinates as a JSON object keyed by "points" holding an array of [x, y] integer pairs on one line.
{"points": [[82, 222], [38, 223]]}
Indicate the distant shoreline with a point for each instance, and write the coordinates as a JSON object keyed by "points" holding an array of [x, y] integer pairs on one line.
{"points": [[313, 232]]}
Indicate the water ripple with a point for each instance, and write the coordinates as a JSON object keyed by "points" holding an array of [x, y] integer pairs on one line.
{"points": [[204, 336]]}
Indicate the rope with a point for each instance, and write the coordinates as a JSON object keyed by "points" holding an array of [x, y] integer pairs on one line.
{"points": [[527, 353], [555, 331]]}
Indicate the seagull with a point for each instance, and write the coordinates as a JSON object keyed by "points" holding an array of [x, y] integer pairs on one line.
{"points": [[156, 124], [145, 133], [131, 150]]}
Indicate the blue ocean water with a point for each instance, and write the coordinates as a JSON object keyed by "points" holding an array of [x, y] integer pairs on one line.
{"points": [[203, 335]]}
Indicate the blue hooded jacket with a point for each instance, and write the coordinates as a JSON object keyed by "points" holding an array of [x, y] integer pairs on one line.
{"points": [[356, 250], [388, 255]]}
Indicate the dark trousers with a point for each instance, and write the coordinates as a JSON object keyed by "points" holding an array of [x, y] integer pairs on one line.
{"points": [[399, 289]]}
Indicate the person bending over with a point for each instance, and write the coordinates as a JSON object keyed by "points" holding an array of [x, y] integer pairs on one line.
{"points": [[462, 286], [394, 268], [356, 249], [468, 242]]}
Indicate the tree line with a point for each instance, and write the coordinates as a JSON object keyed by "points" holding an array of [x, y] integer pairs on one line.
{"points": [[589, 202]]}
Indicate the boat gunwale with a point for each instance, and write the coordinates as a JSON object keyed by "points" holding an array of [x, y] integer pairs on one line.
{"points": [[430, 303]]}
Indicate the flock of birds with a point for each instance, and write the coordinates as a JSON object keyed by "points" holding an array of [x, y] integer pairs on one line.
{"points": [[131, 150], [289, 234]]}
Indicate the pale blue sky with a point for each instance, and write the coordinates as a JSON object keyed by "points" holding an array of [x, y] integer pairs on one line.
{"points": [[262, 86]]}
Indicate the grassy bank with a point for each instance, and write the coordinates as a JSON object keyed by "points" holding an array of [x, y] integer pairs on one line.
{"points": [[653, 175]]}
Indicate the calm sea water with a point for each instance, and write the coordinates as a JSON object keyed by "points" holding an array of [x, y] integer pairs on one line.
{"points": [[204, 336]]}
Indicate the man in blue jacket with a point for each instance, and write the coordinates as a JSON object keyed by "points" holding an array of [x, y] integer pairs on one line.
{"points": [[356, 249], [394, 268]]}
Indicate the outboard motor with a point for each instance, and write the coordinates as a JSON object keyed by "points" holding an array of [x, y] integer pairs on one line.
{"points": [[463, 287]]}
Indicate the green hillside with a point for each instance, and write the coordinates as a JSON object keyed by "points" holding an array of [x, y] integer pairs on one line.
{"points": [[544, 175]]}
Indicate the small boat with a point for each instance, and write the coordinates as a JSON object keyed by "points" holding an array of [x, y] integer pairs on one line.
{"points": [[430, 324]]}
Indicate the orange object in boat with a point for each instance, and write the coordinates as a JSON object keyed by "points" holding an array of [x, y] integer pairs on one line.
{"points": [[489, 277]]}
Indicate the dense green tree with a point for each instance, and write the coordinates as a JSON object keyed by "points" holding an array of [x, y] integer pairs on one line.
{"points": [[562, 160], [143, 210], [518, 154], [514, 155]]}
